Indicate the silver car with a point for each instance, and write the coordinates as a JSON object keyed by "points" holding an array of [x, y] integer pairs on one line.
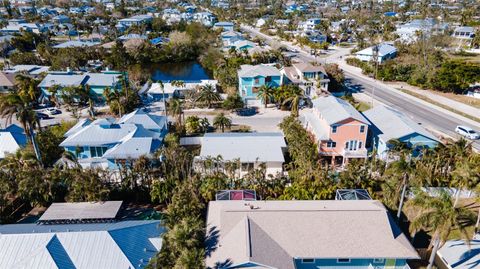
{"points": [[467, 132]]}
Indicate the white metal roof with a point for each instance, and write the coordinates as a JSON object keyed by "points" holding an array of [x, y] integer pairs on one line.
{"points": [[459, 255], [11, 139], [383, 50], [80, 211], [123, 245], [168, 88], [135, 134], [248, 147], [247, 70], [63, 80]]}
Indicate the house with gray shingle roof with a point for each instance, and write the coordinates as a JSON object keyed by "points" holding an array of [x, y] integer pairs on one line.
{"points": [[109, 143], [390, 124], [7, 82], [340, 131], [76, 44], [357, 234]]}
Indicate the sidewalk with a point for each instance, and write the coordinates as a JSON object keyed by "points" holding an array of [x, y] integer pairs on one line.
{"points": [[358, 72], [462, 107], [453, 104]]}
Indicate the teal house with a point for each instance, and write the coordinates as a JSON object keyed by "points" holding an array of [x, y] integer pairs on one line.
{"points": [[110, 143], [252, 77], [97, 82], [389, 124], [315, 234]]}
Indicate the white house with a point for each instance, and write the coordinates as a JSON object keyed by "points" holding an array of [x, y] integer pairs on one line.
{"points": [[310, 24], [249, 150], [12, 139], [408, 32], [383, 51], [307, 77], [80, 235], [464, 32], [457, 254]]}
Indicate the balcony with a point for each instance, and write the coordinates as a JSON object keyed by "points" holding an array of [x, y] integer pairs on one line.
{"points": [[359, 153]]}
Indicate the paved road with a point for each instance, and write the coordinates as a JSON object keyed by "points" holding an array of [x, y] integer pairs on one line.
{"points": [[426, 115]]}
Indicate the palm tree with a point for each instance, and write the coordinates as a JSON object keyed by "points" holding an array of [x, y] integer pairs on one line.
{"points": [[293, 95], [20, 106], [265, 92], [477, 223], [440, 217], [204, 123], [175, 108], [53, 94], [208, 95], [178, 83], [403, 166], [222, 121]]}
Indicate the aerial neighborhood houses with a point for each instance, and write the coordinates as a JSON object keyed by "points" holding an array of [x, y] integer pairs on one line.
{"points": [[151, 138]]}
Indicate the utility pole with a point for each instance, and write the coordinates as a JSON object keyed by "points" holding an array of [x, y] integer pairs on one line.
{"points": [[375, 58]]}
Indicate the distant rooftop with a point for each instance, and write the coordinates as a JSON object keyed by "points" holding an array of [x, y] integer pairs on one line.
{"points": [[59, 212]]}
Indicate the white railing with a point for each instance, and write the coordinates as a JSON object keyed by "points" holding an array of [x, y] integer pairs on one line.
{"points": [[355, 153]]}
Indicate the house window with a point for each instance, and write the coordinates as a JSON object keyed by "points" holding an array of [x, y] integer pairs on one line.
{"points": [[331, 144], [343, 260], [268, 79], [334, 129], [378, 260], [359, 144], [362, 129], [246, 167], [308, 260], [257, 80], [255, 90], [97, 151]]}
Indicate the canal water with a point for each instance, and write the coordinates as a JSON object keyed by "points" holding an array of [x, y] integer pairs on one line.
{"points": [[185, 71]]}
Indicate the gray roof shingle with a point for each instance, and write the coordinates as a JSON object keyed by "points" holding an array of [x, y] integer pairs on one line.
{"points": [[335, 110], [393, 124], [274, 233]]}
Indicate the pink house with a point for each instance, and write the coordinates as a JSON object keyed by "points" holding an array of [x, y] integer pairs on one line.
{"points": [[339, 129]]}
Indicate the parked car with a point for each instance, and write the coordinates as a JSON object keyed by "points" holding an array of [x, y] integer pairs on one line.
{"points": [[467, 132], [246, 112], [52, 111], [42, 116]]}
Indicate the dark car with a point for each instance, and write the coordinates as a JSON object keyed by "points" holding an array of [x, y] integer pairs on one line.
{"points": [[42, 116], [246, 112]]}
